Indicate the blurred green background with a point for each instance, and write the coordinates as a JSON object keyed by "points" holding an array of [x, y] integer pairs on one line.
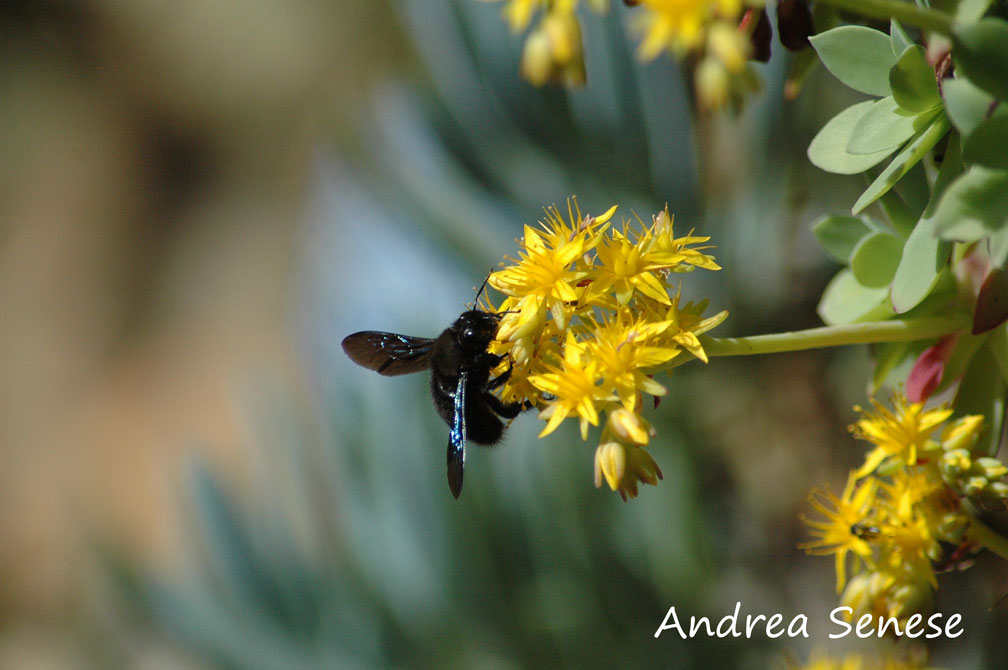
{"points": [[200, 199]]}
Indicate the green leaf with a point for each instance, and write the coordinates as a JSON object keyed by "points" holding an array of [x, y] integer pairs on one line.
{"points": [[998, 248], [913, 81], [987, 145], [974, 205], [859, 57], [899, 38], [981, 392], [881, 128], [890, 357], [966, 347], [903, 161], [875, 259], [924, 257], [951, 169], [999, 348], [971, 10], [847, 301], [898, 213], [839, 234], [914, 189], [980, 52], [905, 202], [828, 149], [966, 103]]}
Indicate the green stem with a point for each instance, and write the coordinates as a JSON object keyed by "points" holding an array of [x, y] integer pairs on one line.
{"points": [[897, 330], [987, 537], [906, 13]]}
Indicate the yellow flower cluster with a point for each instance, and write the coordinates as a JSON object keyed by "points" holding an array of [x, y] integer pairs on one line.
{"points": [[591, 314], [680, 26], [707, 28], [553, 50], [901, 505]]}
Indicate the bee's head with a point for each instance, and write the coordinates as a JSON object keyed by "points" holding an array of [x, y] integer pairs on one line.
{"points": [[475, 328]]}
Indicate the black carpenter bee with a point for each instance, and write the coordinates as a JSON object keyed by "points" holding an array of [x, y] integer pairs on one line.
{"points": [[460, 381]]}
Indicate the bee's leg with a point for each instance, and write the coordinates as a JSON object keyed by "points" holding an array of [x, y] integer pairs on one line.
{"points": [[502, 378], [506, 411]]}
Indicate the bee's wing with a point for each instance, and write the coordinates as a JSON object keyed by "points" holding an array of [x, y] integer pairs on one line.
{"points": [[457, 437], [388, 354]]}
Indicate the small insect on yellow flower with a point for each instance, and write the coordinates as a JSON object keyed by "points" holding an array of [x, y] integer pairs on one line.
{"points": [[914, 506], [902, 510], [848, 522]]}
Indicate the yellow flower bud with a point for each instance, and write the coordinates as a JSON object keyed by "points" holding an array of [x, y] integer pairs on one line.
{"points": [[553, 50], [974, 486], [865, 592], [610, 461], [643, 467], [997, 491], [963, 433], [952, 526], [909, 597], [992, 468], [630, 427], [537, 63], [564, 36], [955, 462], [728, 45], [712, 84]]}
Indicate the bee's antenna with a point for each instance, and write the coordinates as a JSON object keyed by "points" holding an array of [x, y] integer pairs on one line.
{"points": [[482, 286]]}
